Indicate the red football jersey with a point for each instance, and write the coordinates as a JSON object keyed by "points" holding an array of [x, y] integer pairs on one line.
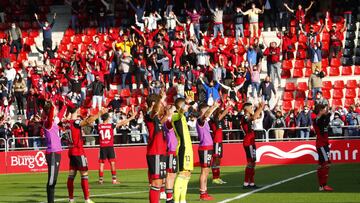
{"points": [[73, 131], [157, 142], [249, 137], [321, 126], [216, 129], [106, 134]]}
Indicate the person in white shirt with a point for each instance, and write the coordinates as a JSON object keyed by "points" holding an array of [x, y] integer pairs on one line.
{"points": [[171, 22], [10, 74], [253, 15], [151, 21]]}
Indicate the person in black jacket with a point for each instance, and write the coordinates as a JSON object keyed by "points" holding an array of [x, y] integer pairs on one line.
{"points": [[47, 52], [239, 24], [97, 88], [266, 89]]}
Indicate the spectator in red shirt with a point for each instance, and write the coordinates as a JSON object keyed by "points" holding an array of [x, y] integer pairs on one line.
{"points": [[4, 52], [300, 13], [273, 62]]}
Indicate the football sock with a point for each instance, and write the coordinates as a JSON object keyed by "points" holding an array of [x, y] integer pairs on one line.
{"points": [[85, 186], [113, 173], [180, 187], [322, 173], [70, 186], [101, 175], [184, 190], [216, 172], [247, 175], [252, 175], [154, 194], [169, 194]]}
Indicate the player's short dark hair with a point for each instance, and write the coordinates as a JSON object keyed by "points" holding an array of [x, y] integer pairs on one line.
{"points": [[105, 116], [319, 107], [178, 101], [72, 109], [47, 106], [246, 105], [152, 98]]}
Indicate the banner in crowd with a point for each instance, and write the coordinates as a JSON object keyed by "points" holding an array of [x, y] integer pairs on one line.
{"points": [[291, 152]]}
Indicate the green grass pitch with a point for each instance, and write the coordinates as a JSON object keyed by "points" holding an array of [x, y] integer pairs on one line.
{"points": [[344, 178]]}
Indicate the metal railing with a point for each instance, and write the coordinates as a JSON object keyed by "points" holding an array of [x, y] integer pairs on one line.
{"points": [[3, 144], [230, 136]]}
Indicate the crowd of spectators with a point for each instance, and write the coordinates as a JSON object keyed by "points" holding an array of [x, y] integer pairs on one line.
{"points": [[202, 50]]}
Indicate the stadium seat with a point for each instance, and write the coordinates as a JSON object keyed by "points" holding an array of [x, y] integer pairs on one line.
{"points": [[290, 86], [287, 65], [334, 71], [298, 73], [125, 93], [325, 37], [346, 70], [300, 95], [324, 62], [326, 85], [326, 94], [308, 64], [287, 106], [337, 102], [310, 103], [308, 72], [339, 84], [302, 86], [337, 94], [351, 84], [350, 93], [349, 102], [299, 104], [335, 62], [288, 96], [285, 74], [357, 70], [299, 64]]}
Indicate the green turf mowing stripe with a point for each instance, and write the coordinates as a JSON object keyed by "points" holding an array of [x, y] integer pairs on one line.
{"points": [[267, 187]]}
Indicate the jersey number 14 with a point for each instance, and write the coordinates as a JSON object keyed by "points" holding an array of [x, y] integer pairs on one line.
{"points": [[105, 134]]}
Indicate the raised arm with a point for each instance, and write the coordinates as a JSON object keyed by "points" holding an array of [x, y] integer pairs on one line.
{"points": [[208, 4], [344, 28], [132, 5], [93, 118], [308, 8], [126, 121], [210, 111], [258, 111], [288, 8]]}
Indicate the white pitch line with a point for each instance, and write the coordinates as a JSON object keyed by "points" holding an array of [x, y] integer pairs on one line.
{"points": [[267, 187], [224, 201]]}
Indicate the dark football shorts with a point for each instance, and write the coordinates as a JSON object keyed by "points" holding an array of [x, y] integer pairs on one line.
{"points": [[107, 153], [205, 157], [324, 154], [218, 150], [157, 166], [250, 153], [171, 164], [78, 163]]}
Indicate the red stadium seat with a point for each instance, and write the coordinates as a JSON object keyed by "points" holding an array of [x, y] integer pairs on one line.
{"points": [[69, 33], [326, 85], [349, 102], [326, 94], [302, 86], [300, 95], [335, 62], [125, 93], [299, 64], [299, 104], [337, 103], [350, 94], [357, 70], [287, 65], [290, 86], [325, 37], [324, 62], [287, 106], [351, 84], [334, 71], [288, 96], [337, 94], [339, 84], [308, 72], [308, 64], [302, 38], [285, 74], [298, 73], [346, 70]]}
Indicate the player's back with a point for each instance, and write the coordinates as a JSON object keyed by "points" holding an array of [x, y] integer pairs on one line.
{"points": [[106, 134], [156, 142], [181, 130], [73, 131], [249, 137]]}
